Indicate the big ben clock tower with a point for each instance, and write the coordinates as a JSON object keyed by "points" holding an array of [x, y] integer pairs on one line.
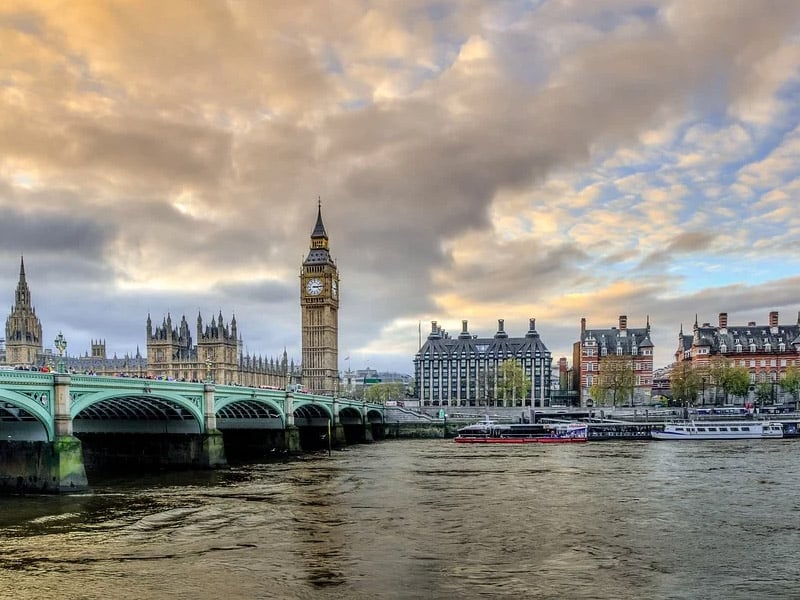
{"points": [[319, 305]]}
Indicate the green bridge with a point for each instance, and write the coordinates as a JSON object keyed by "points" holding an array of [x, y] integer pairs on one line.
{"points": [[53, 426]]}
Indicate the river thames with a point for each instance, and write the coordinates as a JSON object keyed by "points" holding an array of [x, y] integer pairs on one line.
{"points": [[427, 519]]}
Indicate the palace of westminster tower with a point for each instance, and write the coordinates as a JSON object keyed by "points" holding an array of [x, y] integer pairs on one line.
{"points": [[215, 353]]}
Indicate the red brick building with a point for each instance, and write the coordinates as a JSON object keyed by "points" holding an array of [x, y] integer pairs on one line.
{"points": [[765, 350], [595, 344]]}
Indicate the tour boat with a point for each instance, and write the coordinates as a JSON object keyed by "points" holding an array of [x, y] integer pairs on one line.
{"points": [[719, 430], [493, 433]]}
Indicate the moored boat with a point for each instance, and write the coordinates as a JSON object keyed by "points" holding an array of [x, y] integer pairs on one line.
{"points": [[492, 433], [719, 430]]}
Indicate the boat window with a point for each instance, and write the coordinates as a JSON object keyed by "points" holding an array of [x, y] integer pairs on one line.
{"points": [[712, 428], [679, 429], [701, 429], [746, 428], [734, 429], [723, 429]]}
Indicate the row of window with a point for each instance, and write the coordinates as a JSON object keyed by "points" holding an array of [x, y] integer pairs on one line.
{"points": [[588, 381], [619, 351], [723, 348], [472, 361], [637, 366]]}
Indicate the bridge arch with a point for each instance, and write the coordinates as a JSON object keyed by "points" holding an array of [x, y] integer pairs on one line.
{"points": [[374, 416], [350, 415], [239, 410], [37, 408], [124, 405], [311, 410]]}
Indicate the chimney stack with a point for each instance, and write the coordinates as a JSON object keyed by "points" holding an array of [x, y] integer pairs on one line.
{"points": [[773, 318], [433, 326], [500, 324], [464, 326], [583, 324], [623, 322], [723, 320], [532, 324]]}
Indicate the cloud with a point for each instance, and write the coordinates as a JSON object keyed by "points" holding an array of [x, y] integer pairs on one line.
{"points": [[471, 158]]}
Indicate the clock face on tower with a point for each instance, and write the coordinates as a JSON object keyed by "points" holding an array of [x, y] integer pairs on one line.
{"points": [[314, 287]]}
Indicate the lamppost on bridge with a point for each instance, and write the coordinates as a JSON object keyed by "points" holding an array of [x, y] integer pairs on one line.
{"points": [[61, 345]]}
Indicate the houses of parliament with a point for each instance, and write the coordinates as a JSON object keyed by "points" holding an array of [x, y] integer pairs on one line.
{"points": [[212, 350]]}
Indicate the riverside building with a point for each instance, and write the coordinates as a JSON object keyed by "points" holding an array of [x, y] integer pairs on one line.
{"points": [[630, 344], [764, 350], [464, 371]]}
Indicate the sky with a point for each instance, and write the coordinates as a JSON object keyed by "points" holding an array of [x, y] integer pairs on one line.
{"points": [[554, 160]]}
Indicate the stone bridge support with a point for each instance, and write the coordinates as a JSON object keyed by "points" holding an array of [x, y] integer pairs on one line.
{"points": [[291, 432], [213, 447], [367, 425], [67, 471], [338, 437]]}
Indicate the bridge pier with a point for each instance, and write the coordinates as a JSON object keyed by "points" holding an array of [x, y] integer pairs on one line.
{"points": [[291, 433], [291, 440], [368, 437], [338, 437], [212, 450], [67, 471], [212, 445]]}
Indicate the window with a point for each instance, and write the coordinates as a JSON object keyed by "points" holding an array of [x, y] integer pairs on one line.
{"points": [[738, 347], [723, 348]]}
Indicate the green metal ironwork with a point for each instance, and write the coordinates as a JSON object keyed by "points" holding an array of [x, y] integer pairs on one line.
{"points": [[34, 393]]}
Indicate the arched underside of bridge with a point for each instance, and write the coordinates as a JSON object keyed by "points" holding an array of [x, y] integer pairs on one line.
{"points": [[311, 415], [135, 414], [18, 424], [249, 414], [375, 417], [350, 416]]}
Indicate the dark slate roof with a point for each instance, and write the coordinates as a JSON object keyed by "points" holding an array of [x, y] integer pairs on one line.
{"points": [[760, 335], [440, 345], [318, 256], [684, 342], [613, 338], [319, 228]]}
